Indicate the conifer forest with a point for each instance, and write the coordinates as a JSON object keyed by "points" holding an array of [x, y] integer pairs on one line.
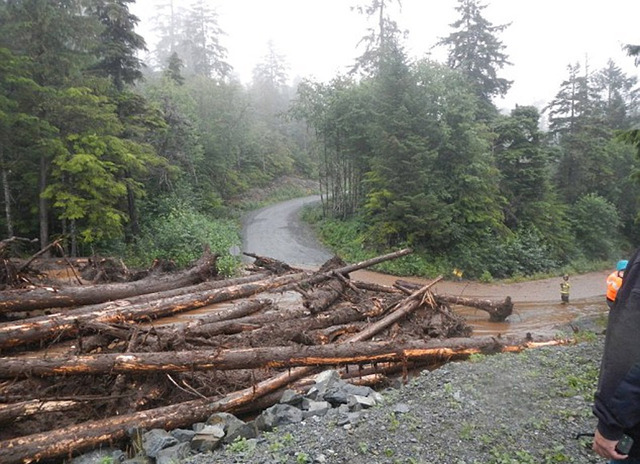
{"points": [[109, 153]]}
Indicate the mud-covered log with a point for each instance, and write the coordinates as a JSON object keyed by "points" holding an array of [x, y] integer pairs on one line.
{"points": [[273, 265], [263, 357], [346, 270], [51, 297], [64, 325], [13, 411], [498, 311], [251, 331], [323, 296], [239, 310], [74, 439], [376, 287], [87, 435]]}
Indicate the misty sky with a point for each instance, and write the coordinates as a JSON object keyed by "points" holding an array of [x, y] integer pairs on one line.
{"points": [[318, 38]]}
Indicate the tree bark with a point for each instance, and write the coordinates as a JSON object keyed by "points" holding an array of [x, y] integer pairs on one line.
{"points": [[65, 325], [43, 298], [43, 205], [6, 192], [77, 438], [498, 311], [10, 412], [319, 299], [264, 357]]}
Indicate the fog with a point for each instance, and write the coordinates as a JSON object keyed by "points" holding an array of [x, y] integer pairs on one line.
{"points": [[319, 38]]}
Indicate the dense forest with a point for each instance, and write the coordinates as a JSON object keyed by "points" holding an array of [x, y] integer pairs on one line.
{"points": [[144, 160]]}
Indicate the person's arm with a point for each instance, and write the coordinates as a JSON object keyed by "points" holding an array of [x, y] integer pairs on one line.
{"points": [[606, 448], [617, 399]]}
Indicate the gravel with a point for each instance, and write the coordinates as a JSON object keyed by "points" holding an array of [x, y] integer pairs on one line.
{"points": [[508, 408]]}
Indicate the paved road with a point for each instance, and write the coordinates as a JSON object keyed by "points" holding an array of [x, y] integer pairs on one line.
{"points": [[277, 232]]}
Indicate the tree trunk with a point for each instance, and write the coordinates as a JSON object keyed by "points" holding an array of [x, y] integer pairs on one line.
{"points": [[80, 437], [7, 194], [10, 412], [43, 207], [48, 297], [498, 312], [264, 357], [319, 299], [67, 324]]}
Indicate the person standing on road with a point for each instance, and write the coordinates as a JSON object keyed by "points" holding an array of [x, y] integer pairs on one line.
{"points": [[614, 281], [617, 398], [564, 289]]}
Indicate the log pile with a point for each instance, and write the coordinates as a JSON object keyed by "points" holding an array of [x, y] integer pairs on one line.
{"points": [[82, 365]]}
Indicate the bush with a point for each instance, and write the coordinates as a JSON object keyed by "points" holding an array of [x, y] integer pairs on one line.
{"points": [[181, 234]]}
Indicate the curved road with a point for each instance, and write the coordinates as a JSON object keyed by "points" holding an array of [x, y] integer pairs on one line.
{"points": [[277, 232]]}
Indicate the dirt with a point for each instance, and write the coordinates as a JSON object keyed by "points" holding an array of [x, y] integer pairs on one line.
{"points": [[583, 287]]}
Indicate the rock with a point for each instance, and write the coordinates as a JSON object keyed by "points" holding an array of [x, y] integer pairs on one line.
{"points": [[278, 414], [357, 402], [182, 435], [173, 454], [314, 408], [291, 397], [155, 440], [401, 408], [209, 438]]}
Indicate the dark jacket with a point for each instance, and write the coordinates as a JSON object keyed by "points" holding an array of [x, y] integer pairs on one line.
{"points": [[617, 399]]}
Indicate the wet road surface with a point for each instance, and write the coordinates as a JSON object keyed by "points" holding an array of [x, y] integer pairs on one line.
{"points": [[277, 232]]}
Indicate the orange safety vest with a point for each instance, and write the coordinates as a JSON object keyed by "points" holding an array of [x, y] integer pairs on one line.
{"points": [[614, 281]]}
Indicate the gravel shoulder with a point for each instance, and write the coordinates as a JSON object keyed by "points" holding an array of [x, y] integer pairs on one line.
{"points": [[511, 408], [507, 408]]}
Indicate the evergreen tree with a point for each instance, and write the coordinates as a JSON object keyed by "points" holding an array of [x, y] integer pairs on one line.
{"points": [[192, 31], [531, 204], [174, 69], [118, 43], [576, 122], [477, 52], [381, 39], [56, 37], [620, 96]]}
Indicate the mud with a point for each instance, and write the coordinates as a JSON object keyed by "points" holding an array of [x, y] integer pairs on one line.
{"points": [[537, 305]]}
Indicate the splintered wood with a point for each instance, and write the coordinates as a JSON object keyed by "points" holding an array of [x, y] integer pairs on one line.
{"points": [[82, 364]]}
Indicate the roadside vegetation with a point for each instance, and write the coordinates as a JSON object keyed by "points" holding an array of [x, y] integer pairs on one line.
{"points": [[159, 159]]}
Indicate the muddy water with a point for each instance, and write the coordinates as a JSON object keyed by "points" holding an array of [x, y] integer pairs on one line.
{"points": [[537, 306], [536, 318]]}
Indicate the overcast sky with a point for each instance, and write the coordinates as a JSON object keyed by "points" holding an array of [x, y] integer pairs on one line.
{"points": [[318, 38]]}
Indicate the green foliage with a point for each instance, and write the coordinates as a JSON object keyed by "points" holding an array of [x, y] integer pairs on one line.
{"points": [[179, 232], [239, 445], [475, 48], [595, 222], [88, 189]]}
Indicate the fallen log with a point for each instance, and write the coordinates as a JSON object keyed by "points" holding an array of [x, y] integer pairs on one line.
{"points": [[50, 297], [65, 325], [346, 270], [11, 412], [498, 311], [320, 298], [80, 437], [263, 357]]}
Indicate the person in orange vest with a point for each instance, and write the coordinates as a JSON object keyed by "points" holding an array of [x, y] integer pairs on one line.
{"points": [[614, 281]]}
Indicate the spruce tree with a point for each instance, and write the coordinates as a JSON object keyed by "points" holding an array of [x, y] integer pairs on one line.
{"points": [[476, 50]]}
